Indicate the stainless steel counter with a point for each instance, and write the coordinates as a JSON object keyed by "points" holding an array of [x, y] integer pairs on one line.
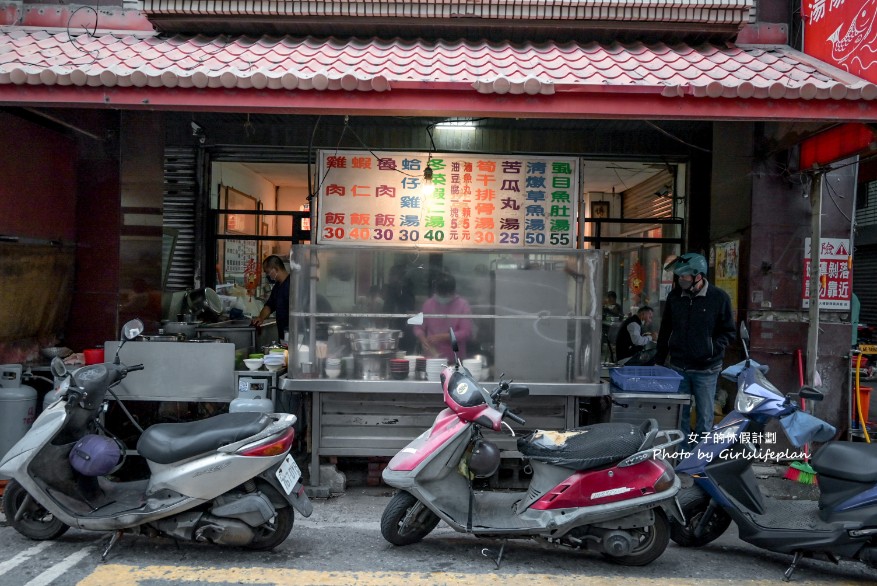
{"points": [[325, 385], [378, 418]]}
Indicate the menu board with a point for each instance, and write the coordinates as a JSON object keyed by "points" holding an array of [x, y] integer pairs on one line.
{"points": [[382, 199], [239, 254]]}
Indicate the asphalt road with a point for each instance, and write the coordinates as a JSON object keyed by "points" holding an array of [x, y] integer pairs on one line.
{"points": [[341, 544]]}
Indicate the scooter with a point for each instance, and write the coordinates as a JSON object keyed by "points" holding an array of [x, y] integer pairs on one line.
{"points": [[227, 480], [599, 487], [719, 484]]}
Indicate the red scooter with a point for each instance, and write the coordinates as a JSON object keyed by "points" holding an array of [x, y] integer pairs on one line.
{"points": [[599, 487]]}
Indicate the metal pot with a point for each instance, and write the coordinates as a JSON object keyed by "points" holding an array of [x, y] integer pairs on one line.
{"points": [[374, 340]]}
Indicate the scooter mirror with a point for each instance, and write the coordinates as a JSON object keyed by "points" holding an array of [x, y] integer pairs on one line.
{"points": [[744, 332], [518, 391], [416, 320], [59, 369], [132, 329], [810, 393], [454, 346]]}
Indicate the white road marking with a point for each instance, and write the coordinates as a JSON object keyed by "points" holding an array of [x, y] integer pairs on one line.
{"points": [[23, 556], [59, 569]]}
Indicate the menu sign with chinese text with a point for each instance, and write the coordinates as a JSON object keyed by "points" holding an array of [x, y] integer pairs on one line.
{"points": [[473, 200], [835, 274]]}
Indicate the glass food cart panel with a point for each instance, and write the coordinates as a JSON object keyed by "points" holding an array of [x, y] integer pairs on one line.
{"points": [[532, 316]]}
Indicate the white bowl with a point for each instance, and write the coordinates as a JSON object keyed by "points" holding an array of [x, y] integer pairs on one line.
{"points": [[253, 363], [333, 372], [274, 367]]}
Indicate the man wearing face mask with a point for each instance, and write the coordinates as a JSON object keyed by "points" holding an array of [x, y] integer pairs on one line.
{"points": [[696, 327], [433, 334], [278, 300]]}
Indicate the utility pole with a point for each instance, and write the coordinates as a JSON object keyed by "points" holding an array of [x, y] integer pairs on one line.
{"points": [[815, 237]]}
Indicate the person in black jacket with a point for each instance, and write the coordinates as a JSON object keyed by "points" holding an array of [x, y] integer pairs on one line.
{"points": [[696, 327], [631, 338]]}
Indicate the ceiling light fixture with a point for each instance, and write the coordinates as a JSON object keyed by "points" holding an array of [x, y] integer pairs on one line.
{"points": [[458, 123]]}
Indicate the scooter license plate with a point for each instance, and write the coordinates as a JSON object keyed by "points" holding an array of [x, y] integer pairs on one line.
{"points": [[288, 474]]}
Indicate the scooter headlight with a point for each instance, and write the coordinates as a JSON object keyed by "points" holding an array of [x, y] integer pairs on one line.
{"points": [[745, 402]]}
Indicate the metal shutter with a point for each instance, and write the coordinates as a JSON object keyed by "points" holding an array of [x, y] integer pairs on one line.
{"points": [[180, 186], [865, 282]]}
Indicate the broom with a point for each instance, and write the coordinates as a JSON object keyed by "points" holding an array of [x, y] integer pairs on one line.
{"points": [[801, 472]]}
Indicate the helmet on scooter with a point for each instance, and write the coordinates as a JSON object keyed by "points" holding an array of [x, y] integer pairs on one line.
{"points": [[95, 455], [689, 263], [484, 460]]}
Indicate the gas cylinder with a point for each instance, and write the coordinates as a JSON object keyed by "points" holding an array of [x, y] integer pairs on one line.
{"points": [[241, 405], [18, 406]]}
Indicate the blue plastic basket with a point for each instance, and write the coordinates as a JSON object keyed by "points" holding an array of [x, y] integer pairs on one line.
{"points": [[646, 379]]}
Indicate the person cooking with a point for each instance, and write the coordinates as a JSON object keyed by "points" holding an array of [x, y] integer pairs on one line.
{"points": [[278, 300], [433, 334]]}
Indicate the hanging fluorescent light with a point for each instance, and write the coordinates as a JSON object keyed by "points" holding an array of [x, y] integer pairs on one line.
{"points": [[458, 123]]}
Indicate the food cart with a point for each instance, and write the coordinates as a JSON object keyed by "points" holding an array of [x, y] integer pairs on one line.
{"points": [[391, 230], [534, 318]]}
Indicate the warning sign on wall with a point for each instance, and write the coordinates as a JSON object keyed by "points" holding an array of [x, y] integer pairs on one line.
{"points": [[835, 274]]}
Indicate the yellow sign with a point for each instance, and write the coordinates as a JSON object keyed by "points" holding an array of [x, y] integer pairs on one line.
{"points": [[868, 348]]}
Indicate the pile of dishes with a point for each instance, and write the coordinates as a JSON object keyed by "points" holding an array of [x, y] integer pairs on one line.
{"points": [[274, 362], [434, 367], [412, 365], [333, 367], [399, 368], [473, 365]]}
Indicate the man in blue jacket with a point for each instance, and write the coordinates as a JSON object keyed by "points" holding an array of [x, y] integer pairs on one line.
{"points": [[696, 327]]}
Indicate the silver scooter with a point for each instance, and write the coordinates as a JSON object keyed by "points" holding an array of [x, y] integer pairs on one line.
{"points": [[227, 480]]}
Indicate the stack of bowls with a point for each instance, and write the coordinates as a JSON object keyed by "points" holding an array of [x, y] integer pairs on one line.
{"points": [[412, 364], [473, 365], [274, 362], [333, 367], [420, 368], [434, 367], [399, 368]]}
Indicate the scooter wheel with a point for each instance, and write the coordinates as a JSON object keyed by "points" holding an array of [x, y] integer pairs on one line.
{"points": [[652, 543], [406, 520], [36, 522], [276, 531], [694, 501]]}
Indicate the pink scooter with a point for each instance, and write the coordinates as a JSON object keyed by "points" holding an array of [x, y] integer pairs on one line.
{"points": [[599, 487]]}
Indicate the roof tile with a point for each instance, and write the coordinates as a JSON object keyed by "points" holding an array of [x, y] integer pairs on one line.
{"points": [[333, 64]]}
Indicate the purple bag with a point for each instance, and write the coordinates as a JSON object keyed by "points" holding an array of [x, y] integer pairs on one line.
{"points": [[95, 455]]}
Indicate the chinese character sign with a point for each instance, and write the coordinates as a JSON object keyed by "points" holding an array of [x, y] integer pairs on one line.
{"points": [[472, 201], [842, 33], [835, 273]]}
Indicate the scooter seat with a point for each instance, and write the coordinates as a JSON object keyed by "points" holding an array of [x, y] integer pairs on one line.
{"points": [[847, 461], [166, 443], [583, 447]]}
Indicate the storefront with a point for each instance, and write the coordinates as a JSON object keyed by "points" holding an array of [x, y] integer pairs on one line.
{"points": [[174, 110]]}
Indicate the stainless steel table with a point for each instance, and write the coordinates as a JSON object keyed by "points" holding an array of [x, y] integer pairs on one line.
{"points": [[378, 418]]}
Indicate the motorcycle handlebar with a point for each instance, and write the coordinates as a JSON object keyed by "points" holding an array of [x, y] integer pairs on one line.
{"points": [[133, 368], [515, 418]]}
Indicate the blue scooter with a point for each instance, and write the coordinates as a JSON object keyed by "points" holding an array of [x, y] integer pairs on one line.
{"points": [[719, 484]]}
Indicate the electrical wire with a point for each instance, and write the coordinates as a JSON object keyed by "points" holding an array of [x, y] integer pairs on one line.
{"points": [[831, 195], [676, 138]]}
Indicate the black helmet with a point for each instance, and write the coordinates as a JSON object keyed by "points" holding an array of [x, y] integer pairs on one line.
{"points": [[484, 461], [689, 263]]}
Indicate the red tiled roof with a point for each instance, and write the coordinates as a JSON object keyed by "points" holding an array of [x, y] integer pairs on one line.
{"points": [[43, 58], [154, 65]]}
